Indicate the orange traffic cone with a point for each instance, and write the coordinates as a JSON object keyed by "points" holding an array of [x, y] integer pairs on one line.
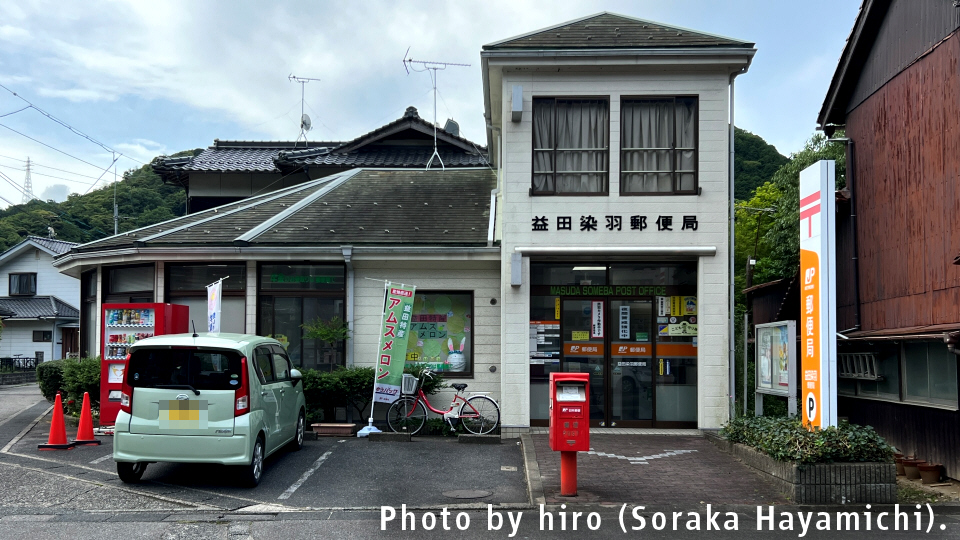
{"points": [[58, 430], [85, 433]]}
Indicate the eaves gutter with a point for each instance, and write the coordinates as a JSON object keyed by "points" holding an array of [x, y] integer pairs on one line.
{"points": [[582, 53], [691, 251]]}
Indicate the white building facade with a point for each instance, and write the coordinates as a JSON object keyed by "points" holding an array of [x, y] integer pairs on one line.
{"points": [[614, 208]]}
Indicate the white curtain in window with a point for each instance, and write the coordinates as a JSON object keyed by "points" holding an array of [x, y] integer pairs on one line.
{"points": [[582, 140], [654, 132], [543, 132]]}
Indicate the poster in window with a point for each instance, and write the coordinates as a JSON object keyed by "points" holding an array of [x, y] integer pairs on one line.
{"points": [[765, 351], [440, 330], [782, 354]]}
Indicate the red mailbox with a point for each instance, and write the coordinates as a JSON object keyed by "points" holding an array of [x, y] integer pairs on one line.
{"points": [[570, 412], [569, 424]]}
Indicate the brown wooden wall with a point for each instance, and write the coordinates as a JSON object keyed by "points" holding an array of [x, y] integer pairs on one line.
{"points": [[924, 432], [907, 143]]}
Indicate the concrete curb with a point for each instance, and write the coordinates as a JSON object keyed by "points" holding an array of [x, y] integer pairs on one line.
{"points": [[532, 469]]}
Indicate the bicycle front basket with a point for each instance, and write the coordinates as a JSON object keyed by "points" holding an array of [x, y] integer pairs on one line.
{"points": [[409, 384]]}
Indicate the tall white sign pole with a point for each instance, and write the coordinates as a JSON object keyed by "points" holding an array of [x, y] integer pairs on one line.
{"points": [[818, 295]]}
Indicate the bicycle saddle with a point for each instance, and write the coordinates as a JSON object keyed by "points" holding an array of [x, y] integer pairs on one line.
{"points": [[459, 387]]}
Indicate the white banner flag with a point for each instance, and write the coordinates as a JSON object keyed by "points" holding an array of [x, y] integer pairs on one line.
{"points": [[213, 306]]}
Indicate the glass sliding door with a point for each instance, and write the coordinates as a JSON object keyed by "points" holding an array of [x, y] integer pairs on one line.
{"points": [[631, 363], [583, 331]]}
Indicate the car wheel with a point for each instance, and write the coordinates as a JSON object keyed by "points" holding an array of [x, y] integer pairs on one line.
{"points": [[254, 471], [297, 442], [131, 473]]}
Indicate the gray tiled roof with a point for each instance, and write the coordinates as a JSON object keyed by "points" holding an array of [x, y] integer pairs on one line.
{"points": [[361, 206], [364, 151], [612, 31], [37, 307], [54, 245]]}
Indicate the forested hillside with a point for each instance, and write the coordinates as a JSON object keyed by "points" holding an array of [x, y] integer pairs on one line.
{"points": [[754, 162], [142, 200]]}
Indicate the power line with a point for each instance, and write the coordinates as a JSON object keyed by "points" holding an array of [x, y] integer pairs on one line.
{"points": [[50, 175], [52, 148], [68, 126], [15, 112], [35, 164]]}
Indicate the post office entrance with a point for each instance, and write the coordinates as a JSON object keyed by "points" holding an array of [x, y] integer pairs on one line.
{"points": [[642, 359]]}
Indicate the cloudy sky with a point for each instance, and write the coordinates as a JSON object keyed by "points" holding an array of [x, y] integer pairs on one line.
{"points": [[149, 78]]}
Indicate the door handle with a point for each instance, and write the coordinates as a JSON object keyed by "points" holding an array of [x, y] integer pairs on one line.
{"points": [[263, 393], [282, 391]]}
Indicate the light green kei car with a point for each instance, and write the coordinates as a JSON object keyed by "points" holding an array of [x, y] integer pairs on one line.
{"points": [[231, 399]]}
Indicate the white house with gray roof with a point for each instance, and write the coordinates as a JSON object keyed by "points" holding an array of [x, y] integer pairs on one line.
{"points": [[41, 304]]}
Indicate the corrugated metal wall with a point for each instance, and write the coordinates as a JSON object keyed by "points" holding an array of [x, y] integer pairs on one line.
{"points": [[907, 138], [910, 28]]}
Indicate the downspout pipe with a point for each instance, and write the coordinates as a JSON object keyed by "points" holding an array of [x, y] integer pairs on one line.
{"points": [[851, 187], [731, 357], [348, 262]]}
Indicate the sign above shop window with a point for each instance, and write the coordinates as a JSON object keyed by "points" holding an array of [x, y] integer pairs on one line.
{"points": [[613, 223]]}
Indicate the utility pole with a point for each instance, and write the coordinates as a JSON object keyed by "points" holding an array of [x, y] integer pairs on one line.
{"points": [[116, 213]]}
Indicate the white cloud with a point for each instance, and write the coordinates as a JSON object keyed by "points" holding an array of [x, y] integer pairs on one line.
{"points": [[56, 192]]}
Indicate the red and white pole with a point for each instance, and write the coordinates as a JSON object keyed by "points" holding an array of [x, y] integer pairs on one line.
{"points": [[568, 474]]}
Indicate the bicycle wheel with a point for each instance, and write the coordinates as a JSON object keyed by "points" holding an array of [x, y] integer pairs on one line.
{"points": [[407, 415], [480, 415]]}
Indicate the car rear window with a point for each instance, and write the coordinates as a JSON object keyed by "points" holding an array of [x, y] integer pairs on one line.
{"points": [[203, 369]]}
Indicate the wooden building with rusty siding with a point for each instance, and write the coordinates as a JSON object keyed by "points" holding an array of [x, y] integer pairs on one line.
{"points": [[896, 95]]}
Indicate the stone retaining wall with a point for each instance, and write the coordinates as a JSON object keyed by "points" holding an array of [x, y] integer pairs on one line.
{"points": [[21, 377], [821, 483]]}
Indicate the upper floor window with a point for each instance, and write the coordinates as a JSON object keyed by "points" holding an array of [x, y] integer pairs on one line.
{"points": [[658, 146], [571, 140], [23, 284]]}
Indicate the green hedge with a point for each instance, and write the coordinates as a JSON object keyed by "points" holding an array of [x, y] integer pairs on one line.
{"points": [[349, 387], [786, 439], [79, 377], [50, 378]]}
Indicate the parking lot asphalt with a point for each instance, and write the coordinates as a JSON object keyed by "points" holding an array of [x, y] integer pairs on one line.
{"points": [[329, 473]]}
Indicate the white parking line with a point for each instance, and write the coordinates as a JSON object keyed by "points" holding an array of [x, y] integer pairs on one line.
{"points": [[296, 485], [24, 431], [101, 459]]}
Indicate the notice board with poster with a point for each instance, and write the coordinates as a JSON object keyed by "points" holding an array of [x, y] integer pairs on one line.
{"points": [[776, 363]]}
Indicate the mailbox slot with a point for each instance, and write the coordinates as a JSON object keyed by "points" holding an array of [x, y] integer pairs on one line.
{"points": [[571, 391]]}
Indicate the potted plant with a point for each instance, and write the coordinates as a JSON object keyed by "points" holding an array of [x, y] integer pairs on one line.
{"points": [[911, 467], [929, 472]]}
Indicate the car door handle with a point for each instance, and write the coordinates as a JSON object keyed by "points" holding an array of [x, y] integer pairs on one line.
{"points": [[263, 393], [282, 391]]}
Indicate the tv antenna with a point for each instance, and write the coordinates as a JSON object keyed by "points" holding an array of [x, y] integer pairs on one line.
{"points": [[431, 67], [305, 123]]}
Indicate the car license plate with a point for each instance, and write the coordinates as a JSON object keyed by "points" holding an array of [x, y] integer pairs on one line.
{"points": [[183, 414]]}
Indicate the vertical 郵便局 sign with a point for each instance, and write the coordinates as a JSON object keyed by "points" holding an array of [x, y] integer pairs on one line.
{"points": [[818, 327]]}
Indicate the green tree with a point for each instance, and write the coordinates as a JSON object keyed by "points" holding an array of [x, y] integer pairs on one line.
{"points": [[783, 236]]}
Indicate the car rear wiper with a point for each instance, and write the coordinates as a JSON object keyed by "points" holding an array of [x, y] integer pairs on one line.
{"points": [[187, 386]]}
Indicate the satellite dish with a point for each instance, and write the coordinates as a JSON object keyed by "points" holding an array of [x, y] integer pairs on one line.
{"points": [[305, 123]]}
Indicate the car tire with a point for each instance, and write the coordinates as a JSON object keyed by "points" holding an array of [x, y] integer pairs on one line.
{"points": [[131, 473], [253, 472], [297, 442]]}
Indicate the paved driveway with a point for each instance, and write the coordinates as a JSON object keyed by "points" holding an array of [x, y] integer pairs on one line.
{"points": [[655, 470]]}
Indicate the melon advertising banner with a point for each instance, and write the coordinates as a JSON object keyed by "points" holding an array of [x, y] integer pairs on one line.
{"points": [[818, 297]]}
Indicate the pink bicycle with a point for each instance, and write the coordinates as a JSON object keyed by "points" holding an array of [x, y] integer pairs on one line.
{"points": [[479, 413]]}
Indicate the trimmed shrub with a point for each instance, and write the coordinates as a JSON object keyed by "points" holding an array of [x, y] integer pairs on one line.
{"points": [[786, 439], [81, 376], [50, 378]]}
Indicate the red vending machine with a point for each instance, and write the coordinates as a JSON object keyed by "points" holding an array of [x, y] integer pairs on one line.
{"points": [[123, 325]]}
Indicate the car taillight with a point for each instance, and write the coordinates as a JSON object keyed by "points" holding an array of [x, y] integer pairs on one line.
{"points": [[243, 393], [126, 391]]}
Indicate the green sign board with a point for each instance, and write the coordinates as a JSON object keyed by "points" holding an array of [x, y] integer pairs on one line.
{"points": [[394, 327]]}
